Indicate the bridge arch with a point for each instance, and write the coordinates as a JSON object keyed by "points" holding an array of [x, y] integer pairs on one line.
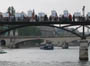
{"points": [[3, 43], [13, 28], [29, 43]]}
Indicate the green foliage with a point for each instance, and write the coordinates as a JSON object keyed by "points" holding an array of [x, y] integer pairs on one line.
{"points": [[29, 31], [11, 11], [37, 41]]}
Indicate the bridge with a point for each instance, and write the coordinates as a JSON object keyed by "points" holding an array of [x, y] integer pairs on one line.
{"points": [[62, 25], [54, 40], [51, 24]]}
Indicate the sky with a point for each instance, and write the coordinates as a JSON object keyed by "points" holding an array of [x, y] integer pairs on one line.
{"points": [[45, 5]]}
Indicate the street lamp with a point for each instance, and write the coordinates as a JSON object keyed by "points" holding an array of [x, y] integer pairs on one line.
{"points": [[83, 10]]}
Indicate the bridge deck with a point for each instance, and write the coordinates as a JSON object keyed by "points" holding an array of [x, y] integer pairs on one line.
{"points": [[43, 23]]}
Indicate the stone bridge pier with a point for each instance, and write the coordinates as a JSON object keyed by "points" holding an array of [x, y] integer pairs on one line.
{"points": [[83, 50], [9, 42]]}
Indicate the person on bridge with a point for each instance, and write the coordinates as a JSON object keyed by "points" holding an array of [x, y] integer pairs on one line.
{"points": [[45, 18], [70, 17], [1, 16]]}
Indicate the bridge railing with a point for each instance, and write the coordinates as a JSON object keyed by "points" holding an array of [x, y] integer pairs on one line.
{"points": [[45, 19]]}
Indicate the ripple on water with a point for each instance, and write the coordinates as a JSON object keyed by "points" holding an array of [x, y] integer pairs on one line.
{"points": [[6, 63]]}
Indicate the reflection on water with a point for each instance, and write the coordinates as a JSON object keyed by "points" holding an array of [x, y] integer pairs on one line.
{"points": [[4, 63], [84, 63]]}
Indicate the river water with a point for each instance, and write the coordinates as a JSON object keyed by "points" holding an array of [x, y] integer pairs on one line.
{"points": [[38, 57]]}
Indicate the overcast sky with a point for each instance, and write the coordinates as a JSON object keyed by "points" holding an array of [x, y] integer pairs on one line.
{"points": [[45, 5]]}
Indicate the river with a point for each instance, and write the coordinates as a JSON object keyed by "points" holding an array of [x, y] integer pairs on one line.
{"points": [[37, 57]]}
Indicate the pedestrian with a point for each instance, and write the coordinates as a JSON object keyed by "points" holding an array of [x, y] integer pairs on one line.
{"points": [[70, 17]]}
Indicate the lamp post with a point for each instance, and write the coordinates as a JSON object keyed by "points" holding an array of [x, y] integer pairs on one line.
{"points": [[83, 10]]}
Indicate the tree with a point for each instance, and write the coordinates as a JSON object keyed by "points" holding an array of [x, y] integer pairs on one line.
{"points": [[11, 11], [29, 31]]}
